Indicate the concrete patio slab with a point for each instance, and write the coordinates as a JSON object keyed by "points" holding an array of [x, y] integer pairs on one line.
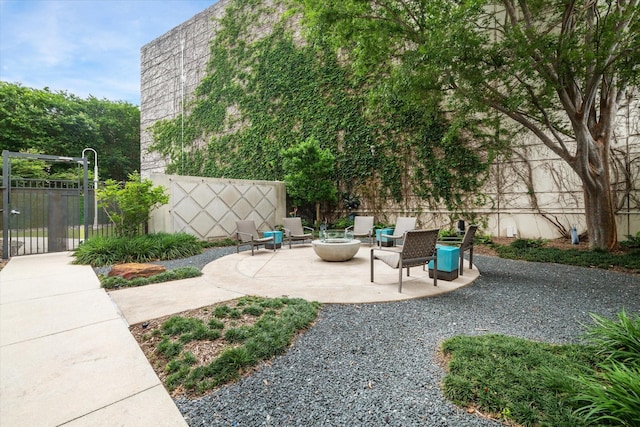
{"points": [[296, 273]]}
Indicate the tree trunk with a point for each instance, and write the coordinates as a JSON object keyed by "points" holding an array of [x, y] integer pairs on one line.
{"points": [[600, 216], [593, 168]]}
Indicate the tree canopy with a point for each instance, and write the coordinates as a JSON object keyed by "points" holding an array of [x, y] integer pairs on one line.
{"points": [[557, 69], [308, 174], [44, 122]]}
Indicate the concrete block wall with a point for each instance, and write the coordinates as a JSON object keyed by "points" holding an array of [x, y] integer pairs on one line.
{"points": [[171, 68]]}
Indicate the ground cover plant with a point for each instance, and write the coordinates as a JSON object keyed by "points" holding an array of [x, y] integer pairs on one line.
{"points": [[199, 350], [611, 394], [531, 383], [539, 250], [116, 282]]}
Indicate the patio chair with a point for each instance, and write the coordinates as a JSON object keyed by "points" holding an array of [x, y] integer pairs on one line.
{"points": [[362, 227], [465, 243], [402, 224], [247, 234], [418, 249], [294, 230]]}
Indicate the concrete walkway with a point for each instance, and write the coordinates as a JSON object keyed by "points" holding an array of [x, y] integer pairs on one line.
{"points": [[66, 354]]}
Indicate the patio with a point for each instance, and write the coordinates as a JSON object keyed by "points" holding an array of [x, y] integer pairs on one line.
{"points": [[295, 273]]}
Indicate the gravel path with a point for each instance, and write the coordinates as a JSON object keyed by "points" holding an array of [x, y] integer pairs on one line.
{"points": [[376, 364]]}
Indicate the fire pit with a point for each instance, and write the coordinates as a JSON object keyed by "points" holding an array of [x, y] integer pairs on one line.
{"points": [[336, 245]]}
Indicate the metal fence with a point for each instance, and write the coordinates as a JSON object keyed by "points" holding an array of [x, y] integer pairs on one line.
{"points": [[46, 215]]}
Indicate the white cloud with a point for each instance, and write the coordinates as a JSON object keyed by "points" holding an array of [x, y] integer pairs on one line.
{"points": [[83, 46]]}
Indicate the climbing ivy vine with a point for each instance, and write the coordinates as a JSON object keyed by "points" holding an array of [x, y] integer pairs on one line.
{"points": [[268, 90]]}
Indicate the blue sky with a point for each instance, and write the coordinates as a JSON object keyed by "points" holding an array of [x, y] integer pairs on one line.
{"points": [[84, 47]]}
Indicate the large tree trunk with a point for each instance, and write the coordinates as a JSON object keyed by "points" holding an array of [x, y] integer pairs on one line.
{"points": [[600, 216], [593, 168]]}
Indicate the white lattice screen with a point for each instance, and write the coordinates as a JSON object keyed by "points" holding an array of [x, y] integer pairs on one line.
{"points": [[208, 208]]}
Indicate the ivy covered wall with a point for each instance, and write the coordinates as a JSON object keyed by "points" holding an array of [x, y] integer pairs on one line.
{"points": [[250, 85], [266, 87]]}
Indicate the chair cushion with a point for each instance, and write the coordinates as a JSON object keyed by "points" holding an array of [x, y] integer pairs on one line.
{"points": [[263, 239], [301, 236], [392, 259]]}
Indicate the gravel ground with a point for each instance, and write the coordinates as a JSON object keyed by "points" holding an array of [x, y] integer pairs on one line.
{"points": [[377, 364]]}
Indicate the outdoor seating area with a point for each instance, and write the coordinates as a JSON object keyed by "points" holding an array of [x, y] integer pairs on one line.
{"points": [[400, 248]]}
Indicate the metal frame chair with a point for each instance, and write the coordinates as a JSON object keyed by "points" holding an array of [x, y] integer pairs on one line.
{"points": [[362, 227], [294, 230], [247, 234], [403, 224], [418, 249], [465, 244]]}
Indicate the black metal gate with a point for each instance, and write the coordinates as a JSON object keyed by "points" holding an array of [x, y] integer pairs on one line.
{"points": [[42, 215]]}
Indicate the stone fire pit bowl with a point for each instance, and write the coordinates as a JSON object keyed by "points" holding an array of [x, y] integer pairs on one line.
{"points": [[336, 250]]}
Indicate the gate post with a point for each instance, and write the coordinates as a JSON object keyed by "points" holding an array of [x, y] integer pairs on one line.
{"points": [[6, 173]]}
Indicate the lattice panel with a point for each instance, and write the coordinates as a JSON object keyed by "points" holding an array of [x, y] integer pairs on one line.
{"points": [[210, 208]]}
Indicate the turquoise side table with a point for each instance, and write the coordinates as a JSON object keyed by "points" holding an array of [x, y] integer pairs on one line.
{"points": [[278, 239], [384, 241], [448, 262]]}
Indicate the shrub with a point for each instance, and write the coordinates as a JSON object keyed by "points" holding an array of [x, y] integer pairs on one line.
{"points": [[632, 242], [611, 394], [100, 251], [524, 244], [129, 207]]}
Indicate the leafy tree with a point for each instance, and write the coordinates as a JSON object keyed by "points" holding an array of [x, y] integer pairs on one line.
{"points": [[558, 69], [129, 207], [308, 174], [40, 121]]}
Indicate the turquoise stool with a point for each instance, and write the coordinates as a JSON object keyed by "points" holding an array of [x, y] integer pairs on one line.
{"points": [[448, 259], [384, 241], [277, 239]]}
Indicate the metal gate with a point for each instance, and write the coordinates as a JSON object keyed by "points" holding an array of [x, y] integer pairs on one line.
{"points": [[42, 215]]}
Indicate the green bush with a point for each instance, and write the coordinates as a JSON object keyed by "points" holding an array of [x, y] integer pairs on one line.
{"points": [[610, 395], [102, 251], [129, 207], [342, 223], [632, 242], [523, 244], [596, 258]]}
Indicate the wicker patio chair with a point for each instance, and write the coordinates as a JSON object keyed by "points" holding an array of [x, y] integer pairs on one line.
{"points": [[418, 249]]}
